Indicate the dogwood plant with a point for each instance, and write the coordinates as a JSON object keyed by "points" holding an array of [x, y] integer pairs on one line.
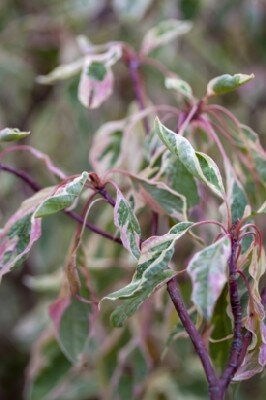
{"points": [[186, 172]]}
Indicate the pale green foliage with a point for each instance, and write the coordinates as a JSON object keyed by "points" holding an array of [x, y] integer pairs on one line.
{"points": [[207, 270]]}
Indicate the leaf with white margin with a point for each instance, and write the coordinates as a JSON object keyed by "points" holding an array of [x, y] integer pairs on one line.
{"points": [[97, 79], [160, 197], [152, 271], [24, 227], [163, 33], [207, 270], [128, 225], [198, 164], [61, 73], [180, 86], [12, 134], [227, 83]]}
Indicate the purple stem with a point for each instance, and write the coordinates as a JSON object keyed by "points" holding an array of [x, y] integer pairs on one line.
{"points": [[237, 343], [213, 382], [36, 187]]}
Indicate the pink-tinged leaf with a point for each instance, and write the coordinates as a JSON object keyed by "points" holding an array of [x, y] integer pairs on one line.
{"points": [[97, 79], [24, 227], [56, 311], [39, 155], [71, 321], [128, 225], [207, 270]]}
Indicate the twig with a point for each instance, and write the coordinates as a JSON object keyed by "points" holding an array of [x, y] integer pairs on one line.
{"points": [[72, 214], [213, 382], [236, 346]]}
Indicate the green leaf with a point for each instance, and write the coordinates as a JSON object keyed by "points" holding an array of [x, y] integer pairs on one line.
{"points": [[236, 195], [198, 164], [180, 179], [152, 271], [221, 328], [161, 198], [163, 33], [74, 329], [97, 71], [128, 225], [63, 197], [12, 134], [52, 367], [227, 83], [207, 270]]}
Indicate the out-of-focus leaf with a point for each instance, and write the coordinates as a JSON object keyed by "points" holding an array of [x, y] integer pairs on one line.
{"points": [[51, 367], [131, 10], [12, 134], [182, 87], [74, 329], [96, 82], [163, 33], [61, 73], [152, 271], [128, 225], [198, 164], [207, 270], [160, 197], [227, 83], [221, 328], [24, 227], [106, 146]]}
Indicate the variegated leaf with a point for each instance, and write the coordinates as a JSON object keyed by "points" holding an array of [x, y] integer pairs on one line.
{"points": [[163, 33], [227, 83], [96, 82], [207, 270], [128, 225], [152, 271], [180, 86], [198, 164], [12, 134], [61, 73], [106, 146], [160, 197], [24, 227], [71, 321]]}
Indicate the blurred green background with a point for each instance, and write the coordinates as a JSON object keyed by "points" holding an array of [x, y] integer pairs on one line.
{"points": [[228, 36]]}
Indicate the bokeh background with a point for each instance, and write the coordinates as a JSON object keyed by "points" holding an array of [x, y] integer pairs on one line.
{"points": [[228, 36]]}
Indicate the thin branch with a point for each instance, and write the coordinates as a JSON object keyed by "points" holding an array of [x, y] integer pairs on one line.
{"points": [[213, 382], [72, 214], [236, 346]]}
